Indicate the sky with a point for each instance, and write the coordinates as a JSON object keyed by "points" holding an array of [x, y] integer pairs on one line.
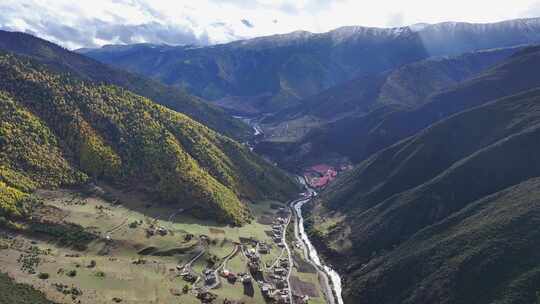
{"points": [[93, 23]]}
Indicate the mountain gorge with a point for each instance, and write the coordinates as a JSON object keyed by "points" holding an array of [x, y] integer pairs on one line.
{"points": [[352, 118], [407, 86]]}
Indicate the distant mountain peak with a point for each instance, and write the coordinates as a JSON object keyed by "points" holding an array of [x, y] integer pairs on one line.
{"points": [[522, 23], [350, 32], [275, 40], [418, 26]]}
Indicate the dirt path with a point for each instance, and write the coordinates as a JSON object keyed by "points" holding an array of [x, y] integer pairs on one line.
{"points": [[230, 256], [277, 260], [289, 254], [216, 271], [195, 258], [117, 226]]}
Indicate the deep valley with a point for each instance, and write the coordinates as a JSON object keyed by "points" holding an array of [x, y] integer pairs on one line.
{"points": [[361, 165]]}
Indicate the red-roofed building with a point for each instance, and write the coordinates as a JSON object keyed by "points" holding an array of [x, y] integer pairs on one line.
{"points": [[320, 175]]}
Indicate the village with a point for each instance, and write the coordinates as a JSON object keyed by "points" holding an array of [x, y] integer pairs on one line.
{"points": [[179, 258], [271, 277]]}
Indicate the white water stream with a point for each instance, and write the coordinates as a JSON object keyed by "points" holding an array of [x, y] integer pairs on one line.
{"points": [[310, 251]]}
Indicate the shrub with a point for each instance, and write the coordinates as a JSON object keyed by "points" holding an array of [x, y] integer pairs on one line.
{"points": [[72, 273], [100, 274], [43, 275]]}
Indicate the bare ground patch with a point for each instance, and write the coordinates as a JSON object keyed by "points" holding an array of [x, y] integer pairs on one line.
{"points": [[302, 265], [265, 220]]}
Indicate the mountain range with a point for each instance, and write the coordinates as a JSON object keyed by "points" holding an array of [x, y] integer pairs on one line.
{"points": [[352, 118], [441, 123], [267, 74], [407, 86]]}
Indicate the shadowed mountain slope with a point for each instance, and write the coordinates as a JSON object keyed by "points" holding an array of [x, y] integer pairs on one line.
{"points": [[420, 211], [358, 137], [408, 86]]}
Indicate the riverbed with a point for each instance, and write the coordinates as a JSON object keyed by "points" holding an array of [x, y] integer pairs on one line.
{"points": [[310, 251]]}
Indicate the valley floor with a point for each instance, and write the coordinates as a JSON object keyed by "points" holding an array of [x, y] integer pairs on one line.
{"points": [[149, 254]]}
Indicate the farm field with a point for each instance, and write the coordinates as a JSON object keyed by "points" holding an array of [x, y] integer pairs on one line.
{"points": [[305, 279], [292, 130]]}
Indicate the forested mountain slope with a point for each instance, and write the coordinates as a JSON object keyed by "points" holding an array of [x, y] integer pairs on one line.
{"points": [[445, 216], [408, 85], [358, 137], [58, 131], [62, 60]]}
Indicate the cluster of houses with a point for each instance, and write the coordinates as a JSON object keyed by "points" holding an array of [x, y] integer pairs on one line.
{"points": [[156, 230], [272, 281], [210, 277], [277, 231], [320, 176], [263, 248], [277, 289], [232, 277], [187, 275], [277, 295], [254, 260]]}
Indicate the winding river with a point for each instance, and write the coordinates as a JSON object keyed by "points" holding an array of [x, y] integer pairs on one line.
{"points": [[331, 278]]}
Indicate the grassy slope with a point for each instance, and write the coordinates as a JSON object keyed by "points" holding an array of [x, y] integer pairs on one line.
{"points": [[420, 158], [62, 60], [486, 253], [66, 131], [403, 190]]}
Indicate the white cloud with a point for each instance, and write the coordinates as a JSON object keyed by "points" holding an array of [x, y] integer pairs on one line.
{"points": [[96, 22], [533, 10]]}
